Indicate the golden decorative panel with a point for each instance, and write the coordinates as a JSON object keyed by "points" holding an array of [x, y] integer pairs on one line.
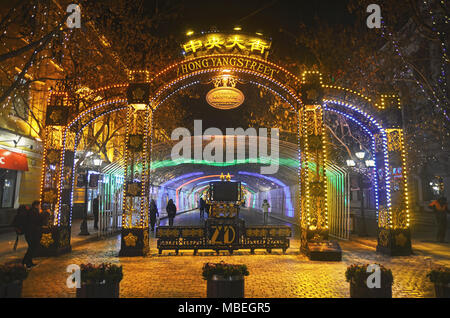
{"points": [[130, 240], [47, 240], [394, 139]]}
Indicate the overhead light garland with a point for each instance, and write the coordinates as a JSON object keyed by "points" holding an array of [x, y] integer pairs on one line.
{"points": [[389, 35]]}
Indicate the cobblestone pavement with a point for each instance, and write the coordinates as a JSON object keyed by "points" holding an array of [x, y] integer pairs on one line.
{"points": [[271, 275], [7, 239]]}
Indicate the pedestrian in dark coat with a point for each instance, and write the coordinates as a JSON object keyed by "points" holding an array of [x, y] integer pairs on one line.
{"points": [[440, 209], [153, 214], [171, 211], [32, 229], [95, 209], [202, 207], [19, 222]]}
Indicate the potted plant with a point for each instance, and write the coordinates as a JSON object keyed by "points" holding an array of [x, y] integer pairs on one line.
{"points": [[11, 279], [224, 280], [440, 276], [100, 281], [357, 276]]}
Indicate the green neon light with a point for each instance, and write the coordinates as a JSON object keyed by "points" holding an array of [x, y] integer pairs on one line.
{"points": [[288, 162]]}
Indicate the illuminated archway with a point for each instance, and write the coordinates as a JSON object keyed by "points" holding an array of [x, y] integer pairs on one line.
{"points": [[307, 96]]}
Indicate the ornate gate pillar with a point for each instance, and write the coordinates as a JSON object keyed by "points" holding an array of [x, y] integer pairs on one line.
{"points": [[314, 221], [135, 229], [56, 177], [394, 236]]}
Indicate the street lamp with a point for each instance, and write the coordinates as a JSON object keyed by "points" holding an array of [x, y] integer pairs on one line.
{"points": [[84, 226], [97, 162], [360, 155], [370, 163], [362, 164]]}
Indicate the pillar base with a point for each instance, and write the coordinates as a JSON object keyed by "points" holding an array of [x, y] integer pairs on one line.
{"points": [[317, 246], [323, 251], [54, 241], [394, 242], [134, 242], [84, 229]]}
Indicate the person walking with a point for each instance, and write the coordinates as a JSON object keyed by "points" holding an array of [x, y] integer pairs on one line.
{"points": [[18, 223], [202, 206], [32, 229], [153, 214], [440, 209], [207, 209], [171, 211], [95, 210], [265, 208]]}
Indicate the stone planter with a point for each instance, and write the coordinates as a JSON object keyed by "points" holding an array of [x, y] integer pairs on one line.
{"points": [[362, 291], [442, 290], [11, 290], [106, 290], [225, 287]]}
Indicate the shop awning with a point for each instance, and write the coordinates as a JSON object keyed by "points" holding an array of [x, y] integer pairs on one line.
{"points": [[13, 161]]}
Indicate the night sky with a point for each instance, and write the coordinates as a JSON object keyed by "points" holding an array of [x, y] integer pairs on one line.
{"points": [[267, 17]]}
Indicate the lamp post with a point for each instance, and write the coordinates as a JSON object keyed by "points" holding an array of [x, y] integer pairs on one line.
{"points": [[361, 164], [97, 162], [84, 227]]}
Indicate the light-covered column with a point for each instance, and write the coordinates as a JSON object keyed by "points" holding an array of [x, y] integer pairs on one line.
{"points": [[135, 229], [394, 235], [56, 177], [314, 209]]}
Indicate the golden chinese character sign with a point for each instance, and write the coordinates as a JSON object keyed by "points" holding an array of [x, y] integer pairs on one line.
{"points": [[212, 43]]}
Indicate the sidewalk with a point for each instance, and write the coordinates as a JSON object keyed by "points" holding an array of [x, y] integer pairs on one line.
{"points": [[7, 241], [439, 253]]}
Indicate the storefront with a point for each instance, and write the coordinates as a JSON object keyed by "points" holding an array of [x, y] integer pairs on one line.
{"points": [[20, 171], [12, 165]]}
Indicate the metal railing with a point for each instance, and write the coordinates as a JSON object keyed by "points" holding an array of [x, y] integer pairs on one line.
{"points": [[338, 202], [109, 222]]}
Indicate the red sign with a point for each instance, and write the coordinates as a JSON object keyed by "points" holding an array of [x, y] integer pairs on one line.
{"points": [[13, 160]]}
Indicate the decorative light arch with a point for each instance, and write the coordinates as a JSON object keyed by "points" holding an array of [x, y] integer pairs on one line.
{"points": [[305, 96], [77, 139], [378, 127], [105, 107]]}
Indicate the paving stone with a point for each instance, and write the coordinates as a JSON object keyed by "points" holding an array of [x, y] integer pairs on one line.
{"points": [[274, 275], [271, 275]]}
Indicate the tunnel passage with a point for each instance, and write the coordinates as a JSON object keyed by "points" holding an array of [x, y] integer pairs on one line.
{"points": [[184, 180]]}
